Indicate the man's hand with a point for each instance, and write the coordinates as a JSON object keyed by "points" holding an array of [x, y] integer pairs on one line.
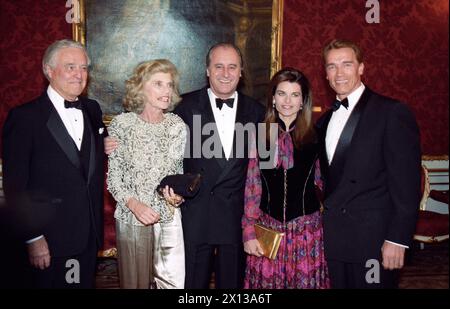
{"points": [[110, 144], [38, 253], [144, 214], [253, 247], [393, 256]]}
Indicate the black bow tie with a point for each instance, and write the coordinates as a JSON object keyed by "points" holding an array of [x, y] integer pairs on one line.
{"points": [[338, 104], [220, 102], [75, 104]]}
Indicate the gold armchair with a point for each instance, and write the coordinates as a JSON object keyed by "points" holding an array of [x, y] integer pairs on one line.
{"points": [[432, 226]]}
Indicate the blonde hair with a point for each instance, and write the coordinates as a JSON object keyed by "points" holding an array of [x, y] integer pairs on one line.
{"points": [[134, 100]]}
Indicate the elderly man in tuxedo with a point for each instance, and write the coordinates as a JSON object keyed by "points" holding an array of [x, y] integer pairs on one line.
{"points": [[53, 162], [371, 166]]}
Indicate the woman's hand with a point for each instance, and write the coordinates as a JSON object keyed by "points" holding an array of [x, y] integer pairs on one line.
{"points": [[110, 144], [146, 215], [253, 247], [172, 198]]}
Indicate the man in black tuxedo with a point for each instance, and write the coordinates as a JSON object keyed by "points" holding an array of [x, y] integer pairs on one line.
{"points": [[371, 166], [212, 219], [53, 162]]}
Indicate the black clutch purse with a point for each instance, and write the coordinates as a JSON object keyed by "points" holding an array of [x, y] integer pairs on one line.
{"points": [[185, 185]]}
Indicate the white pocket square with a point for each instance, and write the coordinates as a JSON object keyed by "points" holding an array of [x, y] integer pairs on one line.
{"points": [[100, 130]]}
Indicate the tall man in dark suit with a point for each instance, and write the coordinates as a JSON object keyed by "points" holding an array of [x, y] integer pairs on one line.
{"points": [[212, 219], [53, 162], [371, 166]]}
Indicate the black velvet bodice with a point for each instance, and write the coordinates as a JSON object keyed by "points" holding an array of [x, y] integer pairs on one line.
{"points": [[301, 198]]}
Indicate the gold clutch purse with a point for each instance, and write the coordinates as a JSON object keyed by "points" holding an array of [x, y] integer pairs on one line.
{"points": [[269, 240]]}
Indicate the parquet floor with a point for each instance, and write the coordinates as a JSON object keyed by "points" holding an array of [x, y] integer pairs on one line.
{"points": [[424, 269]]}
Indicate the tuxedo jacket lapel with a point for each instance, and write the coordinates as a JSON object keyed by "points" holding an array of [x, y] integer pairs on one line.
{"points": [[322, 126], [89, 125], [207, 117], [336, 167], [62, 137], [205, 109], [241, 112], [65, 141]]}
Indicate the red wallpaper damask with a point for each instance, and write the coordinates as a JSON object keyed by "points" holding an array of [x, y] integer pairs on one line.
{"points": [[27, 27], [406, 54]]}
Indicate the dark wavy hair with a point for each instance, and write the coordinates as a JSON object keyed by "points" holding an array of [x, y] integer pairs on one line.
{"points": [[304, 128]]}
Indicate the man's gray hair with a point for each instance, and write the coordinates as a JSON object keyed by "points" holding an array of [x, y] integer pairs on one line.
{"points": [[54, 48]]}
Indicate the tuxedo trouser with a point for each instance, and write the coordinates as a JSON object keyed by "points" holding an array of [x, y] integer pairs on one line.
{"points": [[228, 262], [151, 256], [345, 275], [70, 272]]}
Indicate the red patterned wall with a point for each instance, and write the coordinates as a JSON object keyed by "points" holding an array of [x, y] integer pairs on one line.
{"points": [[406, 54], [27, 27]]}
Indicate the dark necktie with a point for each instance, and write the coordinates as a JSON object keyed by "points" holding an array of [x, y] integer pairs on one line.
{"points": [[220, 102], [338, 104], [75, 104]]}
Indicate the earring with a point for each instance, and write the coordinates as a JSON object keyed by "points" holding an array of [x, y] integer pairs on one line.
{"points": [[273, 104]]}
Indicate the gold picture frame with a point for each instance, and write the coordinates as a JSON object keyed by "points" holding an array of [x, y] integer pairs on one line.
{"points": [[252, 23]]}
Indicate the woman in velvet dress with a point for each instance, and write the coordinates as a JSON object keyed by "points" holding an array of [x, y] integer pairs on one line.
{"points": [[283, 196]]}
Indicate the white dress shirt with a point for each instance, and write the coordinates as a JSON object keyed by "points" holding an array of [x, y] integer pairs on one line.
{"points": [[338, 120], [225, 121], [71, 117]]}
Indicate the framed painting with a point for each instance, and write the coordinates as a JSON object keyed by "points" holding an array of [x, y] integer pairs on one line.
{"points": [[120, 34]]}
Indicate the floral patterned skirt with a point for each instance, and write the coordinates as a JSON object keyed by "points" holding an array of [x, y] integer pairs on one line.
{"points": [[300, 262]]}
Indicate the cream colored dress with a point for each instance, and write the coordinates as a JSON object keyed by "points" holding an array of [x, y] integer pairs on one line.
{"points": [[148, 255]]}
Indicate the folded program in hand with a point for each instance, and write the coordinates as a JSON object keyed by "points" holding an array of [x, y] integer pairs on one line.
{"points": [[185, 185]]}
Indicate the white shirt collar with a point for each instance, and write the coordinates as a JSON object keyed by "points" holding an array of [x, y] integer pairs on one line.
{"points": [[353, 97], [55, 97], [72, 118], [338, 120]]}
